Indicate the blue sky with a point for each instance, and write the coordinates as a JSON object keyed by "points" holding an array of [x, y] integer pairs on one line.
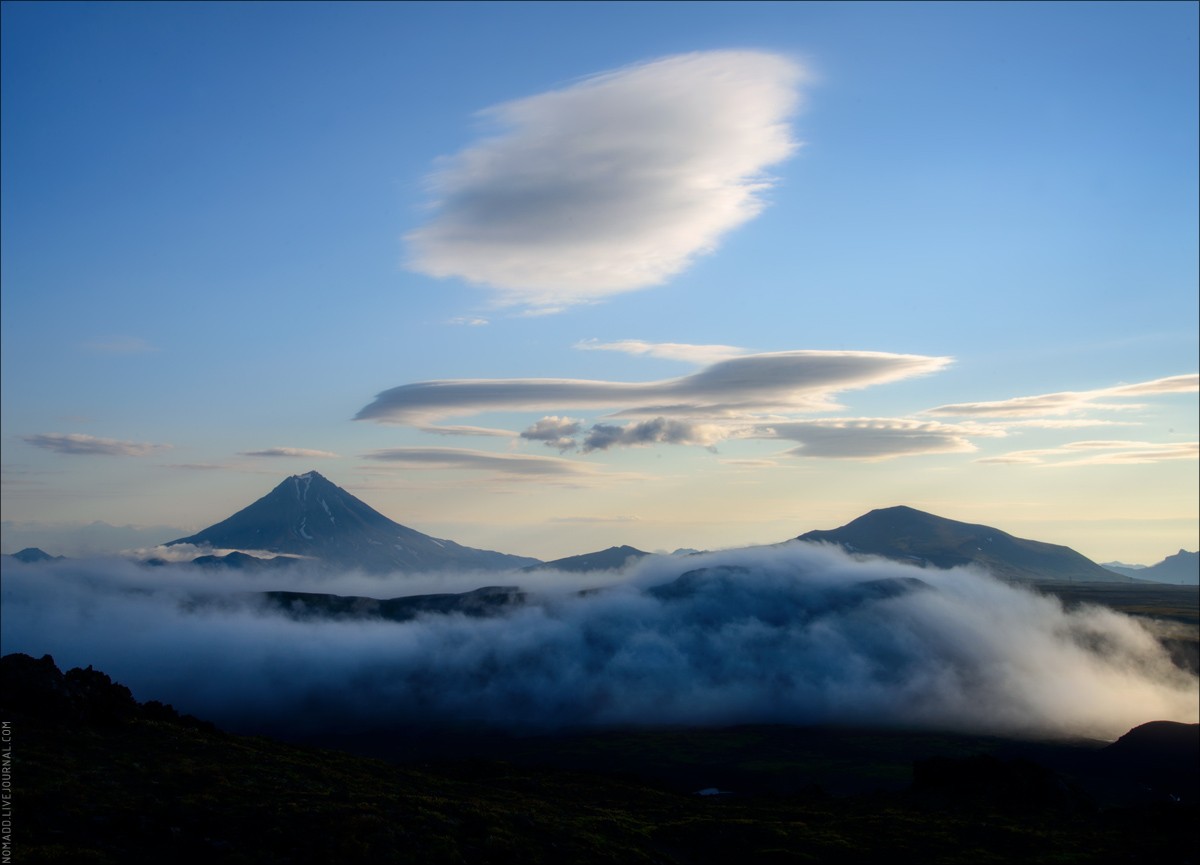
{"points": [[785, 263]]}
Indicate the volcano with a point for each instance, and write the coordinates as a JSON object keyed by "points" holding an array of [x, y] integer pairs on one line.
{"points": [[308, 515]]}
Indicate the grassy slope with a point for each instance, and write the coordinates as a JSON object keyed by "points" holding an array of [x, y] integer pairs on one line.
{"points": [[141, 791]]}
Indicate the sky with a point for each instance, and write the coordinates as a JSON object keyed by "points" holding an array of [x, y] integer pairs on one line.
{"points": [[546, 278]]}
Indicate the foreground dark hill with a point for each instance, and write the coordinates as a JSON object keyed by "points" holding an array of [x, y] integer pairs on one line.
{"points": [[908, 535], [103, 778], [309, 516]]}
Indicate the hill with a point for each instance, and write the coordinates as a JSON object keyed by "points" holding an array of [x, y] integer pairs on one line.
{"points": [[307, 515], [104, 778], [602, 560], [909, 535]]}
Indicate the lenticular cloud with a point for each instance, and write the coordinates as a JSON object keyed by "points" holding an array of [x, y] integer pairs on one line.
{"points": [[614, 183]]}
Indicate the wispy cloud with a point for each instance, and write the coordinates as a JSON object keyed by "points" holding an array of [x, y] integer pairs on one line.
{"points": [[614, 183], [1100, 453], [469, 320], [1069, 402], [737, 387], [480, 431], [702, 354], [86, 445], [461, 458], [874, 438], [291, 452]]}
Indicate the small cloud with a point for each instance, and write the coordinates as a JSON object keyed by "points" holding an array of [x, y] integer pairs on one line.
{"points": [[615, 183], [668, 350], [86, 445], [120, 345], [291, 452], [874, 439], [662, 430], [554, 432], [468, 320]]}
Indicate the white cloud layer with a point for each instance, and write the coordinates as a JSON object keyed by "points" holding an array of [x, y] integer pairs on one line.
{"points": [[81, 444], [796, 633], [737, 387], [614, 183]]}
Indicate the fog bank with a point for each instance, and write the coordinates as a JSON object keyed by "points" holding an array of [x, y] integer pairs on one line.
{"points": [[795, 633]]}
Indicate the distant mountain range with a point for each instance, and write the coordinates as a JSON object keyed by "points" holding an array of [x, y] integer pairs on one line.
{"points": [[1183, 568], [309, 516], [908, 535]]}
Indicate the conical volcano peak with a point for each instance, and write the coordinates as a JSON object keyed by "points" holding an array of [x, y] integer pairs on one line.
{"points": [[303, 483], [310, 516]]}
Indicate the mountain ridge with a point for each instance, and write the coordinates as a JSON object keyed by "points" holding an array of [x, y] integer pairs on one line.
{"points": [[1181, 569], [906, 534]]}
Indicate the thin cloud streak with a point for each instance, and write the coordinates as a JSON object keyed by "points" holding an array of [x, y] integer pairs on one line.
{"points": [[1099, 453], [291, 452], [699, 354], [456, 458], [477, 431], [737, 387], [80, 444], [615, 183], [1068, 402]]}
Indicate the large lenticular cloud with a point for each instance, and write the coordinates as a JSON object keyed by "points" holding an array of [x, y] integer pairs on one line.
{"points": [[789, 634], [614, 183]]}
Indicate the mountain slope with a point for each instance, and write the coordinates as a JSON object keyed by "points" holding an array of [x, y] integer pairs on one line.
{"points": [[307, 515], [906, 534]]}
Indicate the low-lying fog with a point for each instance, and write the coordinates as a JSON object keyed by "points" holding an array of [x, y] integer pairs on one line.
{"points": [[795, 634]]}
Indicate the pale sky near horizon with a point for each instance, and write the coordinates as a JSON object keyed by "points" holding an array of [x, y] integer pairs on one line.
{"points": [[549, 277]]}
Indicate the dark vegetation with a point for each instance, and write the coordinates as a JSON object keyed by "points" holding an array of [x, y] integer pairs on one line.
{"points": [[98, 777]]}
